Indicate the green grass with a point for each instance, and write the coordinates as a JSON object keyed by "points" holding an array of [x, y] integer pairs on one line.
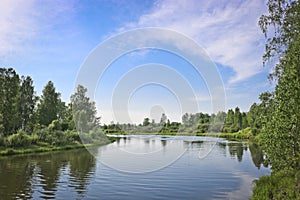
{"points": [[44, 147], [284, 184]]}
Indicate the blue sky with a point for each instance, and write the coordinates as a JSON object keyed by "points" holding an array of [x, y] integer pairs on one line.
{"points": [[50, 39]]}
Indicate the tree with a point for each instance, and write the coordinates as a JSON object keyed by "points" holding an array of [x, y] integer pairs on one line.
{"points": [[244, 120], [185, 119], [84, 111], [217, 122], [253, 118], [27, 103], [237, 119], [163, 119], [1, 125], [146, 122], [281, 132], [9, 95], [229, 121], [49, 105]]}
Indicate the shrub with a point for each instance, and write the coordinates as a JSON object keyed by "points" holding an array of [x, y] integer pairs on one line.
{"points": [[55, 125], [2, 140], [43, 134], [86, 138], [20, 139], [72, 136], [283, 184]]}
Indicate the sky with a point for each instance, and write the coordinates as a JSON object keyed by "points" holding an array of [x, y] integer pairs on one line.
{"points": [[51, 40]]}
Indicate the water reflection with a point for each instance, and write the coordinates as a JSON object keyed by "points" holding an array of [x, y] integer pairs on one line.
{"points": [[76, 174], [256, 154], [39, 176]]}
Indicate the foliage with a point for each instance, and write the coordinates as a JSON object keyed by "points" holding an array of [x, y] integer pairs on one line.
{"points": [[9, 95], [49, 105], [281, 132], [84, 111], [284, 184], [20, 139], [27, 102]]}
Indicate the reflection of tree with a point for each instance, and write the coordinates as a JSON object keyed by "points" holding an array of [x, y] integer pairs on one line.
{"points": [[239, 151], [193, 144], [256, 154], [236, 149], [163, 142], [15, 175], [222, 145], [50, 165], [81, 167], [19, 174], [146, 141], [232, 149]]}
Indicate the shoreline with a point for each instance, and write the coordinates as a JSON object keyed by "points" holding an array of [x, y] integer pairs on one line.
{"points": [[231, 136], [48, 148]]}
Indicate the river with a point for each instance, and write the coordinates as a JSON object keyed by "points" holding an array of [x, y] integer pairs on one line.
{"points": [[137, 167]]}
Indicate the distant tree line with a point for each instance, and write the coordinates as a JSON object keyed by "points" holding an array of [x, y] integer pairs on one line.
{"points": [[199, 123]]}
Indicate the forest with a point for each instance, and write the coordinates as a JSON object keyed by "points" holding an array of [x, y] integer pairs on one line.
{"points": [[27, 120]]}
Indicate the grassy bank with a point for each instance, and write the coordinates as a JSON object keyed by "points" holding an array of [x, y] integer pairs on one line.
{"points": [[44, 147]]}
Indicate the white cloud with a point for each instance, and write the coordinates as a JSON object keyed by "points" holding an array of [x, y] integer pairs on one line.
{"points": [[24, 21], [228, 30], [16, 25]]}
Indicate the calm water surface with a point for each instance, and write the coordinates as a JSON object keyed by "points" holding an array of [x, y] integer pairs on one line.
{"points": [[226, 171]]}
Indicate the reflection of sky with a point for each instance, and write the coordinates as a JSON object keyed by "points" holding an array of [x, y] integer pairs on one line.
{"points": [[219, 175]]}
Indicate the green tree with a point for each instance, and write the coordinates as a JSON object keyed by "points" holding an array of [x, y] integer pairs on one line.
{"points": [[49, 105], [27, 103], [217, 121], [185, 119], [253, 118], [1, 125], [237, 119], [229, 121], [84, 111], [146, 122], [9, 96], [163, 119], [244, 120], [281, 132]]}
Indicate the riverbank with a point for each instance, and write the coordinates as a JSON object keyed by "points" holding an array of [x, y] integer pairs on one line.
{"points": [[43, 147], [245, 134]]}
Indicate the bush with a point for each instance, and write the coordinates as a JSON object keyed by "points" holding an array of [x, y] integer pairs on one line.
{"points": [[98, 136], [43, 134], [2, 140], [283, 184], [245, 133], [72, 136], [20, 139], [86, 138], [55, 125]]}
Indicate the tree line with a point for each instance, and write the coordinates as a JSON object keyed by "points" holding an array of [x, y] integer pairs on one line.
{"points": [[198, 123], [27, 119]]}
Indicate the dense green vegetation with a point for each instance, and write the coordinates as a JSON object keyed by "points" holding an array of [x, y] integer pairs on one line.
{"points": [[280, 132], [29, 123], [233, 124]]}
